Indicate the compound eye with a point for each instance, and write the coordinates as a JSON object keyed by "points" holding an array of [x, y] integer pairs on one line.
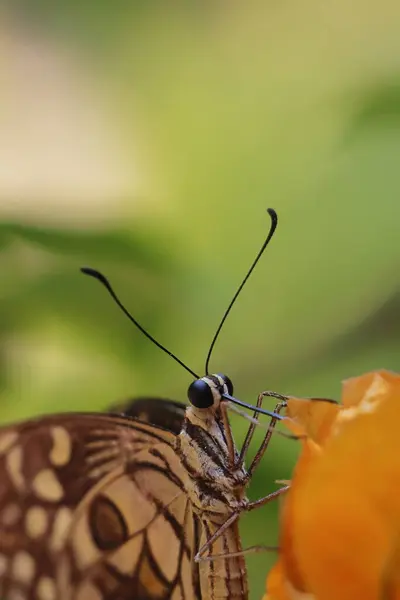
{"points": [[228, 383], [200, 394]]}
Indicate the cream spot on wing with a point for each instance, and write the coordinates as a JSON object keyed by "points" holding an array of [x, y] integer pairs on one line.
{"points": [[10, 515], [3, 564], [14, 467], [7, 440], [46, 589], [61, 525], [36, 521], [46, 486], [61, 450], [23, 567]]}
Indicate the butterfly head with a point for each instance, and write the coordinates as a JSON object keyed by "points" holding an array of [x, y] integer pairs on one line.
{"points": [[208, 391]]}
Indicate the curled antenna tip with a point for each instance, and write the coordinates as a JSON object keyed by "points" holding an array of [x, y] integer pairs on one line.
{"points": [[92, 272], [274, 216], [88, 270], [100, 277], [97, 275]]}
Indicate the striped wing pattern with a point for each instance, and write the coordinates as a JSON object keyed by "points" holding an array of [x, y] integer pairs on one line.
{"points": [[102, 512]]}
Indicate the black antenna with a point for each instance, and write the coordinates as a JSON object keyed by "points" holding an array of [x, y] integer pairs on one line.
{"points": [[97, 275], [100, 277], [274, 223]]}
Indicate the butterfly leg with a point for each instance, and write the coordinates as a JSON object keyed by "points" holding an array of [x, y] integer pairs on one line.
{"points": [[249, 550], [228, 523], [260, 452], [257, 504], [220, 531], [266, 499], [250, 433]]}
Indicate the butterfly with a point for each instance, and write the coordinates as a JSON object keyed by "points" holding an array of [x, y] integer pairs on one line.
{"points": [[101, 506], [141, 505]]}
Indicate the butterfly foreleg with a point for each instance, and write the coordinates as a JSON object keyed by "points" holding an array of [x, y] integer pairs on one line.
{"points": [[265, 443], [250, 433]]}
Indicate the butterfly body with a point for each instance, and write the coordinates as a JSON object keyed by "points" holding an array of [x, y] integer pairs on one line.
{"points": [[216, 489], [213, 483]]}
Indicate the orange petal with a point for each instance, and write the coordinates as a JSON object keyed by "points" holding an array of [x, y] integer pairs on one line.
{"points": [[340, 532], [312, 417], [289, 509], [371, 387], [346, 515], [276, 585]]}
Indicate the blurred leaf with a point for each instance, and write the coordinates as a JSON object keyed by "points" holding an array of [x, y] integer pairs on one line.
{"points": [[123, 246], [378, 108]]}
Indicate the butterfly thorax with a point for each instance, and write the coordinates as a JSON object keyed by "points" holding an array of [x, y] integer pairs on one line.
{"points": [[212, 484]]}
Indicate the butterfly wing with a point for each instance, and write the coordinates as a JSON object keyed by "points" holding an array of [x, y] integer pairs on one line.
{"points": [[164, 413], [92, 507]]}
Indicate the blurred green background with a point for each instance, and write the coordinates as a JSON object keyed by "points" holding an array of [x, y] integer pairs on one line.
{"points": [[147, 140]]}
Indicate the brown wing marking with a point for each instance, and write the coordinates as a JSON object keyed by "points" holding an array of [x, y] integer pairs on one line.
{"points": [[135, 539], [48, 467]]}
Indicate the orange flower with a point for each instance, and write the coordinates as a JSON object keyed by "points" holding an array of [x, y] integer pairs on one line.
{"points": [[340, 522]]}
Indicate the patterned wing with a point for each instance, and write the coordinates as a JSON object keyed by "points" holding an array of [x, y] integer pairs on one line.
{"points": [[164, 413], [92, 507]]}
